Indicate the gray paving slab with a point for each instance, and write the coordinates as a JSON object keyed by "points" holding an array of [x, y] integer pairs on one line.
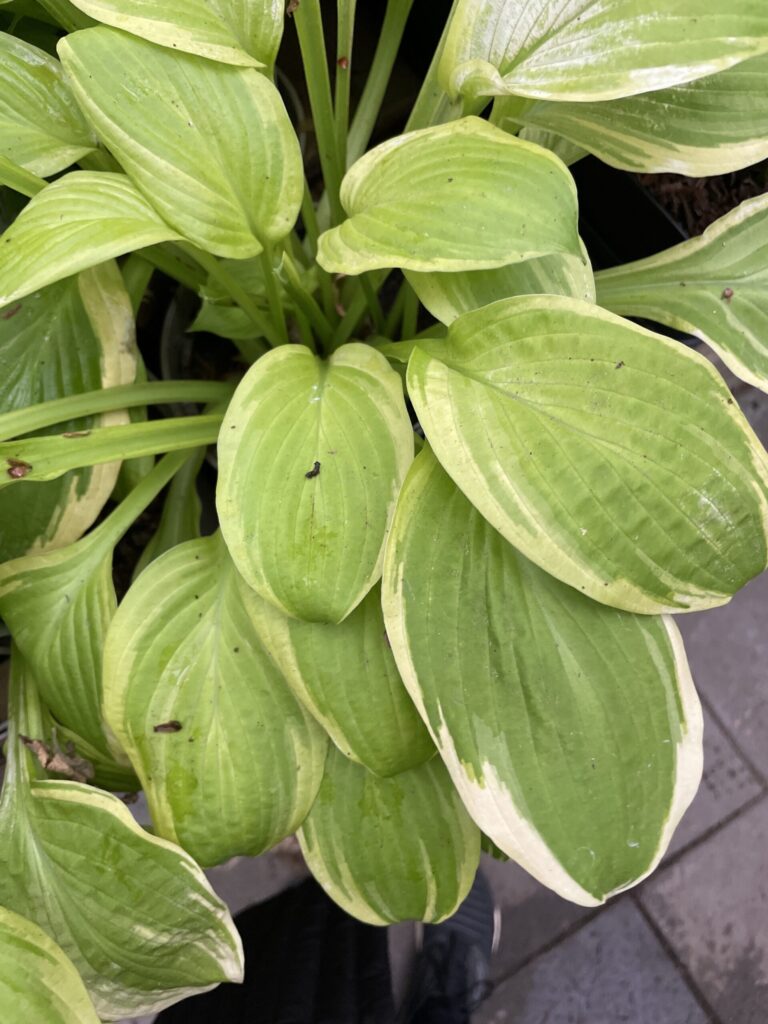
{"points": [[712, 907], [612, 970], [727, 784], [728, 653], [532, 917]]}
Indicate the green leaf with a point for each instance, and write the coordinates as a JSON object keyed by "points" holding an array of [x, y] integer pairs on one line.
{"points": [[210, 145], [586, 51], [41, 127], [346, 677], [572, 731], [461, 196], [37, 981], [225, 321], [714, 286], [568, 152], [242, 32], [714, 125], [389, 850], [47, 458], [243, 768], [66, 14], [312, 454], [614, 458], [72, 337], [82, 219], [180, 518], [154, 931], [447, 296], [57, 606]]}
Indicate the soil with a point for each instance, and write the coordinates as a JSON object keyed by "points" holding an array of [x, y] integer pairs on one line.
{"points": [[696, 202]]}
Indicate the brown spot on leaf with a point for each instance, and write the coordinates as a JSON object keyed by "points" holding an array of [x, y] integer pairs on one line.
{"points": [[77, 433], [10, 311], [293, 6], [17, 468], [65, 762], [727, 294], [172, 726], [315, 471], [343, 63]]}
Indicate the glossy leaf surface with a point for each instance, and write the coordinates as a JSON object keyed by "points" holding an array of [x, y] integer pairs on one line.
{"points": [[714, 125], [209, 145], [390, 850], [582, 50], [41, 127], [78, 221], [612, 457], [311, 457], [239, 765], [346, 676], [460, 196], [714, 286], [572, 731], [242, 32]]}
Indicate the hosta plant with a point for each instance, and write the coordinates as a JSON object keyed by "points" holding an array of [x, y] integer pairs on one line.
{"points": [[459, 495]]}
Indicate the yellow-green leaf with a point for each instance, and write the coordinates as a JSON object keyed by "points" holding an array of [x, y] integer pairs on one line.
{"points": [[582, 50], [38, 982], [572, 731], [714, 286], [78, 221], [41, 127], [714, 125], [312, 454], [390, 850], [447, 296], [612, 457], [242, 32], [229, 760], [209, 145], [346, 676], [460, 196]]}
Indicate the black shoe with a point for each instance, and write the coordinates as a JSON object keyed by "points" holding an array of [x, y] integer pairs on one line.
{"points": [[452, 974]]}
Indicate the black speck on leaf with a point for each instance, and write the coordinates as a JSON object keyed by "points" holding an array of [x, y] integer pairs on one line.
{"points": [[315, 471], [619, 364], [172, 726]]}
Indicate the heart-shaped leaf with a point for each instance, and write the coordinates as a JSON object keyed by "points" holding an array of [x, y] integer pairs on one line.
{"points": [[72, 337], [586, 51], [154, 931], [38, 982], [210, 145], [312, 454], [390, 850], [346, 676], [447, 296], [572, 731], [612, 457], [243, 32], [229, 760], [78, 221], [711, 126], [714, 286], [41, 127], [461, 196]]}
